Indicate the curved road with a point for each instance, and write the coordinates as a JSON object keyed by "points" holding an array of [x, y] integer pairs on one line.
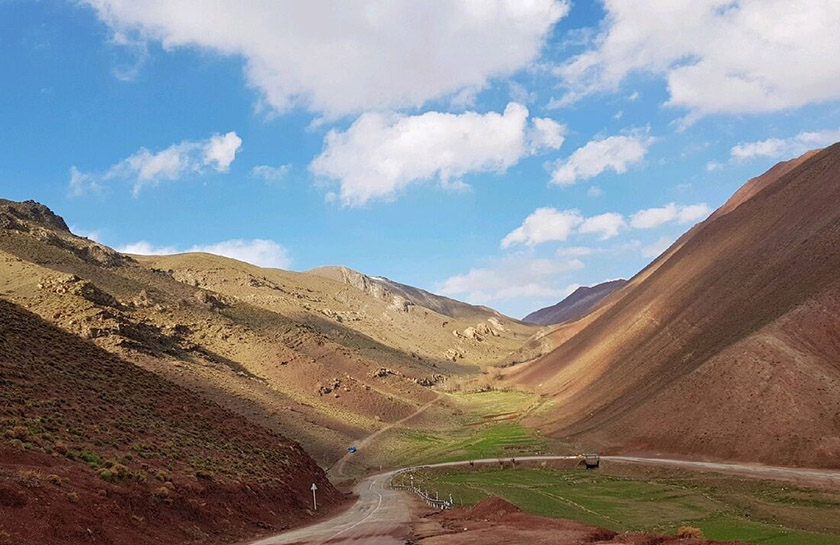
{"points": [[382, 516], [379, 516], [337, 469]]}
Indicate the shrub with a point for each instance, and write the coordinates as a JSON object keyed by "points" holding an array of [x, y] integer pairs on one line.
{"points": [[162, 493], [29, 479], [18, 432], [107, 475], [92, 458], [689, 531], [54, 479]]}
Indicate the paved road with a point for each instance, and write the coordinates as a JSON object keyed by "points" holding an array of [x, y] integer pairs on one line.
{"points": [[379, 517], [382, 516]]}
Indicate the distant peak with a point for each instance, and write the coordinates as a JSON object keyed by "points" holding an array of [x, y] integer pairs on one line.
{"points": [[576, 305], [12, 212]]}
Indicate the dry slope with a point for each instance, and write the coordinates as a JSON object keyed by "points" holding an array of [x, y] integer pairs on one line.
{"points": [[728, 345], [94, 449], [316, 359]]}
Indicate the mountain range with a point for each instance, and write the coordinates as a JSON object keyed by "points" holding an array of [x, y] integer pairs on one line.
{"points": [[726, 346]]}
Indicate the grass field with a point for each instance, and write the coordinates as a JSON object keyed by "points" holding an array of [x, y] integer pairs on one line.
{"points": [[725, 508], [462, 427]]}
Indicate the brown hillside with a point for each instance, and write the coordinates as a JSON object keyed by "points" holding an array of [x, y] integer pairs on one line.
{"points": [[728, 345], [312, 358], [94, 449], [401, 294]]}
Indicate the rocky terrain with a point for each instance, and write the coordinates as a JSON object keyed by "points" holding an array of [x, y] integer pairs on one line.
{"points": [[94, 449], [727, 345], [404, 296], [575, 306], [314, 358]]}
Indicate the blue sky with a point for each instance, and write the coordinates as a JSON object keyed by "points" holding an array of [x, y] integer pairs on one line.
{"points": [[500, 153]]}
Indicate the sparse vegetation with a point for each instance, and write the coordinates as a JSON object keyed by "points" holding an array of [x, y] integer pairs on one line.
{"points": [[30, 479], [689, 531]]}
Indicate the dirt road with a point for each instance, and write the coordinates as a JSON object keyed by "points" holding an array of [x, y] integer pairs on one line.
{"points": [[337, 469], [382, 516]]}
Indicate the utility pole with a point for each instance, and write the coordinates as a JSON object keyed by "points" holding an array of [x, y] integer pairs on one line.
{"points": [[314, 501]]}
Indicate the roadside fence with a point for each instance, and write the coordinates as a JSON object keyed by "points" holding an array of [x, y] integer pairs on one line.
{"points": [[432, 501]]}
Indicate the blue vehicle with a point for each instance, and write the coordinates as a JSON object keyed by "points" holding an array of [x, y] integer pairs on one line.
{"points": [[352, 449]]}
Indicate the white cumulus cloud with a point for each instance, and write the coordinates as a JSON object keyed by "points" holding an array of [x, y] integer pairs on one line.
{"points": [[381, 154], [147, 168], [347, 57], [550, 225], [616, 153], [607, 225], [544, 225], [671, 212], [717, 56], [260, 252], [785, 147], [142, 247]]}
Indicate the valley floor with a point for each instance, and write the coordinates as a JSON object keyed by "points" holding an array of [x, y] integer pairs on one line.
{"points": [[631, 497]]}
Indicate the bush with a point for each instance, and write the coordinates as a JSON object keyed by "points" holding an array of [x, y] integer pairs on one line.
{"points": [[92, 458], [18, 432], [107, 475], [162, 493], [689, 531], [29, 479]]}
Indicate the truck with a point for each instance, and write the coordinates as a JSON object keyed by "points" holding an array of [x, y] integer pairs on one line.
{"points": [[589, 461]]}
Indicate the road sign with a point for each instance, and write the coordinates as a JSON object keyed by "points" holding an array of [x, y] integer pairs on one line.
{"points": [[314, 501]]}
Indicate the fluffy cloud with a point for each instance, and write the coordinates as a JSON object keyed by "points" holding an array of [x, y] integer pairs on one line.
{"points": [[147, 168], [717, 56], [784, 147], [615, 153], [549, 224], [260, 252], [544, 225], [143, 247], [515, 277], [607, 225], [671, 212], [380, 154], [346, 57]]}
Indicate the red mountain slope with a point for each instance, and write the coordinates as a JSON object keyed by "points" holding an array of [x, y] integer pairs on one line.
{"points": [[94, 449], [728, 345]]}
